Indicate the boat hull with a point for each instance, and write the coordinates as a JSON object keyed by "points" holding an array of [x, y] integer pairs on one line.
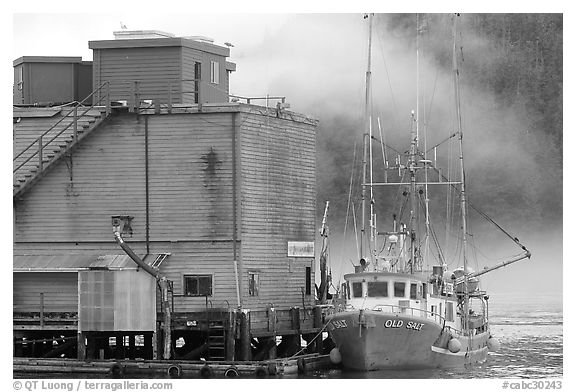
{"points": [[374, 340]]}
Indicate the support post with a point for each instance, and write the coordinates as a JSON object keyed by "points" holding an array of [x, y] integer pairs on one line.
{"points": [[132, 346], [231, 336], [40, 149], [75, 123], [81, 342], [155, 345], [318, 323], [148, 342], [245, 346], [167, 318], [42, 310]]}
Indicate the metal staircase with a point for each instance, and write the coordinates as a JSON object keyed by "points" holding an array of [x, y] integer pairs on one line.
{"points": [[34, 161]]}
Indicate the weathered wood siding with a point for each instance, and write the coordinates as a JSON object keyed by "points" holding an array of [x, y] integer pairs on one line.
{"points": [[190, 197], [60, 291], [75, 201], [278, 171], [191, 163], [155, 68]]}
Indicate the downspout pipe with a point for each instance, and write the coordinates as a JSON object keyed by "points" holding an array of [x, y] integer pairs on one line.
{"points": [[134, 256]]}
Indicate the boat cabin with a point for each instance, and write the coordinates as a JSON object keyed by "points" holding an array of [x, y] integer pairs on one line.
{"points": [[402, 293]]}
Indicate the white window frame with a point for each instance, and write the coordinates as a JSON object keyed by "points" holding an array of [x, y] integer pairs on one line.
{"points": [[214, 72]]}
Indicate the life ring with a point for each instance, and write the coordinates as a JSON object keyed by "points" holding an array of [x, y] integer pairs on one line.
{"points": [[261, 372], [231, 372], [174, 371], [206, 371], [117, 370]]}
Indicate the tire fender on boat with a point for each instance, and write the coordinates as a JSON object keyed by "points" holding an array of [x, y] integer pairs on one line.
{"points": [[206, 371], [493, 344], [454, 345], [174, 371], [335, 356], [117, 370], [261, 372], [231, 372], [301, 365]]}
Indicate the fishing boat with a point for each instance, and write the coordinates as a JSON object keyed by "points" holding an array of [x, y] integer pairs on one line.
{"points": [[404, 308]]}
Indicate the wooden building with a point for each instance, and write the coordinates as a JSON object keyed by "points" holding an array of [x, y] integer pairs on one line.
{"points": [[219, 196], [51, 80]]}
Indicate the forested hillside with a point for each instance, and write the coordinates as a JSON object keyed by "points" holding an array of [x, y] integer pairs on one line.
{"points": [[510, 64]]}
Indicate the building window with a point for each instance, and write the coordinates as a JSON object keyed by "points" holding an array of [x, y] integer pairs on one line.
{"points": [[198, 285], [253, 284], [308, 281], [357, 289], [214, 72], [413, 290], [399, 289], [377, 289]]}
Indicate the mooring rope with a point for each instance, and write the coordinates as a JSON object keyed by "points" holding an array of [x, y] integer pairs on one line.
{"points": [[315, 337]]}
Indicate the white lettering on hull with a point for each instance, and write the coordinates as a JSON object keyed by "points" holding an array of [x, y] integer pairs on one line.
{"points": [[399, 324]]}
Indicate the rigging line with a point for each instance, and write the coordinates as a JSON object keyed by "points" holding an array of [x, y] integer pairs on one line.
{"points": [[485, 216], [442, 142], [383, 147], [387, 146], [395, 116], [355, 231], [348, 208], [433, 234]]}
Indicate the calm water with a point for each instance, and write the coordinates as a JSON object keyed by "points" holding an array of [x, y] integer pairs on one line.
{"points": [[530, 334]]}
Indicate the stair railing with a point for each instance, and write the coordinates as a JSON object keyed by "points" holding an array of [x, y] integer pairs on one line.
{"points": [[74, 110]]}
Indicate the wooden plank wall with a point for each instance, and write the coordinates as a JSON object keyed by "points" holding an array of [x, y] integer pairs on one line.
{"points": [[152, 67], [278, 170], [76, 200], [60, 291], [190, 197], [190, 161]]}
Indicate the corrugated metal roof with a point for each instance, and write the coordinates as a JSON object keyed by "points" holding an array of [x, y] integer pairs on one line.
{"points": [[75, 262]]}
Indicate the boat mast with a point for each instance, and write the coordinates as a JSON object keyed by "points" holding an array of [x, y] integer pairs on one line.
{"points": [[413, 200], [366, 137], [462, 172]]}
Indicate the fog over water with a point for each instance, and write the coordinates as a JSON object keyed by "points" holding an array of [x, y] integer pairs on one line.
{"points": [[318, 61]]}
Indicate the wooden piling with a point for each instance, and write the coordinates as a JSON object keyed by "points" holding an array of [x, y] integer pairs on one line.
{"points": [[231, 336], [81, 346], [245, 347]]}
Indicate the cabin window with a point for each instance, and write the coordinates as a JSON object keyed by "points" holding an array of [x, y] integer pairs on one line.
{"points": [[357, 289], [413, 290], [449, 311], [399, 289], [308, 281], [214, 72], [377, 289], [253, 284], [198, 285]]}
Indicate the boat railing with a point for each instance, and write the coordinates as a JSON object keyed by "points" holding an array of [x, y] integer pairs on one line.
{"points": [[409, 311]]}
